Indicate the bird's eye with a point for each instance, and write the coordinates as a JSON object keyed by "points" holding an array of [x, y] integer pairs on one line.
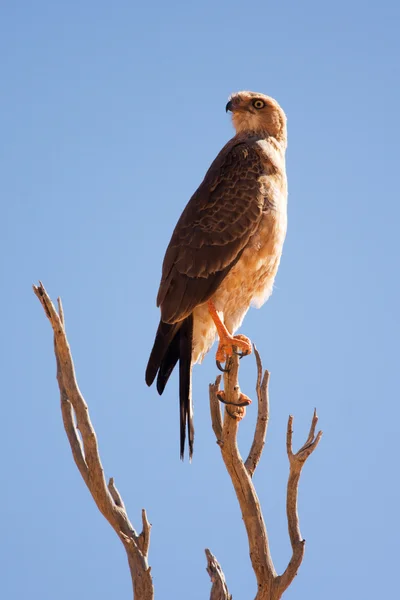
{"points": [[258, 104]]}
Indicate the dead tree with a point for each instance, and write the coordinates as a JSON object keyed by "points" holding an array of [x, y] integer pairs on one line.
{"points": [[82, 439]]}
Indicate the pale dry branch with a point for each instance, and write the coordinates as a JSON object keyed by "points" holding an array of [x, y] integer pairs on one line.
{"points": [[246, 494], [270, 585], [219, 589], [215, 409], [262, 417], [60, 311], [144, 537], [296, 463], [116, 496], [83, 442]]}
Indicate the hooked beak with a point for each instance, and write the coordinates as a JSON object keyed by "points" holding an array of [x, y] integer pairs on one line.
{"points": [[229, 106]]}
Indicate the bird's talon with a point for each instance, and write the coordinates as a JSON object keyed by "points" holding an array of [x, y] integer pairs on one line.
{"points": [[221, 398], [243, 400], [221, 368], [241, 354]]}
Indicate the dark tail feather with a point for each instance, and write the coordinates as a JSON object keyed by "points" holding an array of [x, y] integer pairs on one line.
{"points": [[174, 342], [164, 336], [168, 363], [185, 384]]}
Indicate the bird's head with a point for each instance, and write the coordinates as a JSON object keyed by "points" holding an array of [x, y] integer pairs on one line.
{"points": [[258, 113]]}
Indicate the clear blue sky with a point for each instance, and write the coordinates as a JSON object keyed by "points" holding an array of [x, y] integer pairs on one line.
{"points": [[110, 115]]}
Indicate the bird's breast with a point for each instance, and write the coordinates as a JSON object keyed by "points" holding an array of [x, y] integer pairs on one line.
{"points": [[249, 282], [251, 279]]}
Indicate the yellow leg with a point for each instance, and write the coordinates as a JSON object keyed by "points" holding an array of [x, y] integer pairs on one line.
{"points": [[226, 340]]}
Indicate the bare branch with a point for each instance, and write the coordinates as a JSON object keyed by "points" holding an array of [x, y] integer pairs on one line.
{"points": [[296, 462], [87, 458], [144, 537], [60, 311], [249, 504], [115, 493], [262, 417], [215, 409], [72, 434], [219, 589], [270, 585]]}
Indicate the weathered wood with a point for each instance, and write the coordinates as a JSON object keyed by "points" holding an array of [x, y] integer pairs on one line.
{"points": [[219, 589], [83, 441], [271, 586]]}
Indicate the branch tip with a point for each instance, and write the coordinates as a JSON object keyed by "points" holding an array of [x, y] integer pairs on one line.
{"points": [[116, 496], [60, 311], [145, 521], [219, 589], [144, 537]]}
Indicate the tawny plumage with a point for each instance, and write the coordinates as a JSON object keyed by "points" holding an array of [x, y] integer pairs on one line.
{"points": [[226, 247]]}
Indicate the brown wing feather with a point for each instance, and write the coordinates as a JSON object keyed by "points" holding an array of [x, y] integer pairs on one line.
{"points": [[212, 232]]}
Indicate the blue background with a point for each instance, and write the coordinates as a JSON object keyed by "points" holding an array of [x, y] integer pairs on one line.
{"points": [[110, 115]]}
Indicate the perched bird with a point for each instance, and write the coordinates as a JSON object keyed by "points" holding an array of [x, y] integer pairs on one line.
{"points": [[225, 250]]}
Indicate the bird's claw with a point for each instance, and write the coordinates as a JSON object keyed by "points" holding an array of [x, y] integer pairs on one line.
{"points": [[221, 368], [245, 402], [240, 354]]}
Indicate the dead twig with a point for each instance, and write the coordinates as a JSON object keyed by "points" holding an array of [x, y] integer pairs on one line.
{"points": [[219, 589], [215, 409], [82, 438], [262, 417], [296, 462]]}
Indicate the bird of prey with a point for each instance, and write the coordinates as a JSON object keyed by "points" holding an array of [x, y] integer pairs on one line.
{"points": [[225, 250]]}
